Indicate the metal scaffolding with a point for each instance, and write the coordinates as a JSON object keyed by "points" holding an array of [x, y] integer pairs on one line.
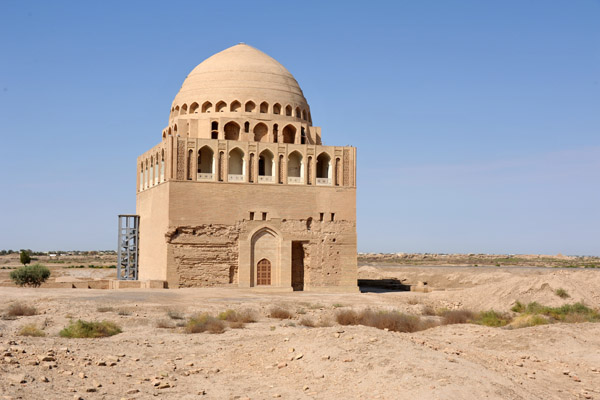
{"points": [[129, 239]]}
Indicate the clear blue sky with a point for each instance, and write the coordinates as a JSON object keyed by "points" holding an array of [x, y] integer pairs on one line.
{"points": [[477, 122]]}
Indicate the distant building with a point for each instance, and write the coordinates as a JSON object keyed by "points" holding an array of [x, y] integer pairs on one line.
{"points": [[241, 191]]}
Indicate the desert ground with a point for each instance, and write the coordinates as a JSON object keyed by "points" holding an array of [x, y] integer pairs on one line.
{"points": [[282, 358]]}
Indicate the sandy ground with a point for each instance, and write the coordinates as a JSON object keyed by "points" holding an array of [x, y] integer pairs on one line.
{"points": [[274, 358]]}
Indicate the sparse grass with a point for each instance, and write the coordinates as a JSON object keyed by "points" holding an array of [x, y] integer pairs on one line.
{"points": [[492, 318], [527, 320], [315, 306], [105, 309], [20, 309], [413, 301], [204, 323], [280, 313], [301, 311], [450, 317], [307, 322], [31, 330], [124, 312], [338, 305], [571, 313], [85, 329], [390, 320], [165, 324], [173, 314], [562, 293]]}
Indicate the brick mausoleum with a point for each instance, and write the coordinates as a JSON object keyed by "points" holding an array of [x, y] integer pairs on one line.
{"points": [[241, 191]]}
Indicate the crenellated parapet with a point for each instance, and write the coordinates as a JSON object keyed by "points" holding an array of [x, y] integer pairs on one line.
{"points": [[245, 162]]}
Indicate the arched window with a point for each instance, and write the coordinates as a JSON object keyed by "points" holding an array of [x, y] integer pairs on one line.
{"points": [[205, 163], [235, 106], [246, 126], [275, 132], [323, 169], [250, 106], [220, 107], [206, 107], [236, 165], [169, 131], [232, 131], [141, 177], [294, 168], [302, 135], [176, 111], [162, 166], [337, 172], [276, 108], [214, 130], [164, 135], [265, 166], [183, 109], [260, 132], [194, 108], [289, 134], [297, 112], [288, 110], [190, 161], [304, 115], [156, 168], [264, 107], [175, 129]]}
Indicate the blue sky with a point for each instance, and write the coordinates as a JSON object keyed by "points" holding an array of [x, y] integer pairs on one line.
{"points": [[477, 123]]}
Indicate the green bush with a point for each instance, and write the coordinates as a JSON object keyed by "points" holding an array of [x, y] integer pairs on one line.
{"points": [[84, 329], [30, 275], [204, 323], [562, 293], [25, 257], [492, 318], [577, 312]]}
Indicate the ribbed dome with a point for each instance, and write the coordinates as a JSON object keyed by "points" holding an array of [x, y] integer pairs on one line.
{"points": [[240, 73]]}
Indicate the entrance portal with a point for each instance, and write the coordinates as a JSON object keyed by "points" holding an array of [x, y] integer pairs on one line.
{"points": [[298, 266], [263, 272]]}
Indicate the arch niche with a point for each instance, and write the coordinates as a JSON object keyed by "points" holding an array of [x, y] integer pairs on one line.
{"points": [[266, 247], [260, 132], [232, 131]]}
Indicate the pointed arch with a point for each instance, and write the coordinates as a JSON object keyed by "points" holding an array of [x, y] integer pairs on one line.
{"points": [[266, 164], [264, 107], [304, 115], [221, 106], [288, 110], [183, 109], [235, 106], [250, 106], [236, 164], [297, 112], [294, 165], [194, 108], [261, 132], [276, 108], [205, 160], [206, 107], [289, 134], [232, 131]]}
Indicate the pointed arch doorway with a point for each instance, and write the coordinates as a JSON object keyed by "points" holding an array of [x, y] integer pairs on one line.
{"points": [[263, 272]]}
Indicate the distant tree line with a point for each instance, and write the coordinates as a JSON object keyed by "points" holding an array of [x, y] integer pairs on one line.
{"points": [[58, 252]]}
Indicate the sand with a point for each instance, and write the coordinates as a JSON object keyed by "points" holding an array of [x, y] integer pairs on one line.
{"points": [[280, 358]]}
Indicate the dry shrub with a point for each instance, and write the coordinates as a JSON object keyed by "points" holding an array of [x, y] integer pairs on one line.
{"points": [[451, 317], [164, 324], [390, 320], [307, 322], [173, 314], [428, 310], [31, 330], [412, 301], [236, 325], [325, 323], [124, 313], [204, 323], [245, 316], [526, 320], [20, 309], [346, 317], [280, 313], [104, 309]]}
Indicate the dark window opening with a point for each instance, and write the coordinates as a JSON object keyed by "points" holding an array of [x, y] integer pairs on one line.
{"points": [[251, 216], [321, 216], [264, 216], [302, 136], [246, 127], [332, 216], [214, 135], [214, 126]]}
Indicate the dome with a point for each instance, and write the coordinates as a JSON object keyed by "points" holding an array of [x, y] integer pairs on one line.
{"points": [[240, 73]]}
